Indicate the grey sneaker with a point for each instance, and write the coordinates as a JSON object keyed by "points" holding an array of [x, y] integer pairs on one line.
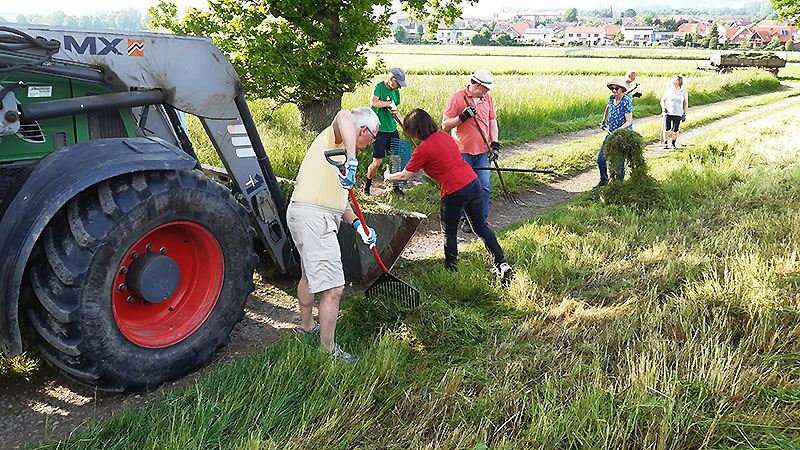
{"points": [[503, 271], [340, 355]]}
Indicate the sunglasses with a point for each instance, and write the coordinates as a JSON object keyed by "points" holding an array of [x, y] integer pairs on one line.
{"points": [[615, 89], [370, 132]]}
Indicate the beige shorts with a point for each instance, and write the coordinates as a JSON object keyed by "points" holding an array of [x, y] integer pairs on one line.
{"points": [[314, 231]]}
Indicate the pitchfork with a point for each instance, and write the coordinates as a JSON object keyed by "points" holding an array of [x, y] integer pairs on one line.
{"points": [[506, 193], [387, 285]]}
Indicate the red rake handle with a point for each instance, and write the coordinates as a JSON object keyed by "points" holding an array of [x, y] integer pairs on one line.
{"points": [[366, 230], [340, 152]]}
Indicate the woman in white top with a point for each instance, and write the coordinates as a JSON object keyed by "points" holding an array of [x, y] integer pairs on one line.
{"points": [[674, 104]]}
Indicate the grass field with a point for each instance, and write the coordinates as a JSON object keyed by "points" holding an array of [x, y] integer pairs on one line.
{"points": [[528, 107], [466, 64], [673, 326], [573, 52]]}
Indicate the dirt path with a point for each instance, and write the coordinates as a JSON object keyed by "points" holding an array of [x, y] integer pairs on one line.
{"points": [[50, 405]]}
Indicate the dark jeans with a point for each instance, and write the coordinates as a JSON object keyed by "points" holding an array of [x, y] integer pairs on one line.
{"points": [[470, 200], [602, 164]]}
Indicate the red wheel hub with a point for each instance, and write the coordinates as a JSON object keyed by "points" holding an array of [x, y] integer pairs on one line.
{"points": [[182, 304]]}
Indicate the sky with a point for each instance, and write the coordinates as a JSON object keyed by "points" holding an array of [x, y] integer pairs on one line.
{"points": [[484, 8]]}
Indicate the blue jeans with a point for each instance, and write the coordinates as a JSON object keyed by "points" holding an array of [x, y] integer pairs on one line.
{"points": [[603, 166], [484, 176], [468, 199]]}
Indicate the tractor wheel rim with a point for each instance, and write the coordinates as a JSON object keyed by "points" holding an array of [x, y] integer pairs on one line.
{"points": [[199, 258]]}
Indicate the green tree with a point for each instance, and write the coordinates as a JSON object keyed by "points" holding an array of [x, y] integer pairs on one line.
{"points": [[506, 40], [713, 37], [787, 9], [400, 34], [128, 19], [618, 38], [789, 46], [645, 21], [21, 19], [483, 37], [570, 15], [307, 52], [667, 25], [629, 13]]}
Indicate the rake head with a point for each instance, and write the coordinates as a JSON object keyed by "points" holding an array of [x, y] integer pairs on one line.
{"points": [[395, 290]]}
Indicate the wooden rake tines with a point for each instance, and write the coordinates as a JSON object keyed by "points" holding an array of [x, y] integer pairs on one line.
{"points": [[389, 287], [506, 193]]}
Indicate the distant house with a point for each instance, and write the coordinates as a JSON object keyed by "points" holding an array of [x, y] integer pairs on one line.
{"points": [[539, 35], [734, 35], [700, 28], [662, 37], [583, 35], [516, 30], [609, 32], [638, 35], [453, 35]]}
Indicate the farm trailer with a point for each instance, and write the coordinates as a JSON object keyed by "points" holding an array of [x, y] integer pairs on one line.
{"points": [[124, 262], [727, 62]]}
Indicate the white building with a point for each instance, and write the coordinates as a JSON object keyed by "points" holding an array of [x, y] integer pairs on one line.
{"points": [[638, 35], [453, 35], [584, 35]]}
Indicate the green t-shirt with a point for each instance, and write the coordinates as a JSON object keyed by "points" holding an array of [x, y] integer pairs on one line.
{"points": [[385, 94]]}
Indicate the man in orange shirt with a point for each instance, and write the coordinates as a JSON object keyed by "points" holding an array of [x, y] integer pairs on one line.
{"points": [[458, 119]]}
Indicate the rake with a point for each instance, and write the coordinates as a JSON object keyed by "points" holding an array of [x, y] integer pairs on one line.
{"points": [[387, 285], [400, 154], [506, 193]]}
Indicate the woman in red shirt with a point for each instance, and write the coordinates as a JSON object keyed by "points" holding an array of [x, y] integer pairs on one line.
{"points": [[441, 159]]}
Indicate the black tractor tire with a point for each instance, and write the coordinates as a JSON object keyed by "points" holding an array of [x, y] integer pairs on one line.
{"points": [[77, 306]]}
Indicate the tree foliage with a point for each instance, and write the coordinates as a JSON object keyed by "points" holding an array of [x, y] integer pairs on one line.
{"points": [[125, 19], [629, 13], [400, 34], [787, 9], [307, 52], [570, 15]]}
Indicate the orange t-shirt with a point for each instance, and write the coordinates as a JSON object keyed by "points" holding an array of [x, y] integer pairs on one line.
{"points": [[466, 134]]}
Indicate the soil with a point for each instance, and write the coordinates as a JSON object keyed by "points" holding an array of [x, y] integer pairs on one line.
{"points": [[50, 405]]}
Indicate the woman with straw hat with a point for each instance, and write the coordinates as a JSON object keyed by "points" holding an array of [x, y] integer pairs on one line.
{"points": [[618, 114]]}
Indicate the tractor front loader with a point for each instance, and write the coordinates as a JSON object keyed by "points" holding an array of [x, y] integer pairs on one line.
{"points": [[126, 264]]}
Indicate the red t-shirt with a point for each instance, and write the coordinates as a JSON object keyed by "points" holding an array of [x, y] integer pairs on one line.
{"points": [[466, 134], [439, 156]]}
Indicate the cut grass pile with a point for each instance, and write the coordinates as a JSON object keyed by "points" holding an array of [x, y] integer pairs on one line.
{"points": [[670, 327], [527, 106]]}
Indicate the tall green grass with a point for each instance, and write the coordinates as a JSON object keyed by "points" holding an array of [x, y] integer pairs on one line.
{"points": [[527, 106], [670, 327]]}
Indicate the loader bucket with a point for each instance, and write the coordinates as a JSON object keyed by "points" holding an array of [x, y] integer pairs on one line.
{"points": [[394, 229]]}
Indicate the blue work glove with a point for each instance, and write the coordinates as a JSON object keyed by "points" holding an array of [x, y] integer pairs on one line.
{"points": [[348, 180], [369, 240]]}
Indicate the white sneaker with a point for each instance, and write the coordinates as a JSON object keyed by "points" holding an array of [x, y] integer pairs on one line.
{"points": [[503, 271]]}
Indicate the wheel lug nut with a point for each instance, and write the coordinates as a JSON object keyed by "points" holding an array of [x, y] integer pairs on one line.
{"points": [[123, 270], [163, 250], [131, 299], [122, 288], [148, 247], [134, 254]]}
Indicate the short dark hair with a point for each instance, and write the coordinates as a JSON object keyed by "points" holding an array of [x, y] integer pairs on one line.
{"points": [[418, 124]]}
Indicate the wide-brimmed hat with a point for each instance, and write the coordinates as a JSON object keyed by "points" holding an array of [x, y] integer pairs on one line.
{"points": [[484, 78], [399, 76], [618, 81]]}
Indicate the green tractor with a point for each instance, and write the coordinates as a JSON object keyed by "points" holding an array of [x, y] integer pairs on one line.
{"points": [[125, 263]]}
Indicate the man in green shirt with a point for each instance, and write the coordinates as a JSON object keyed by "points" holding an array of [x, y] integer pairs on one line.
{"points": [[385, 99]]}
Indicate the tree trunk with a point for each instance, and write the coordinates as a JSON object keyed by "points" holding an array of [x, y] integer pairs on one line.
{"points": [[316, 116]]}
